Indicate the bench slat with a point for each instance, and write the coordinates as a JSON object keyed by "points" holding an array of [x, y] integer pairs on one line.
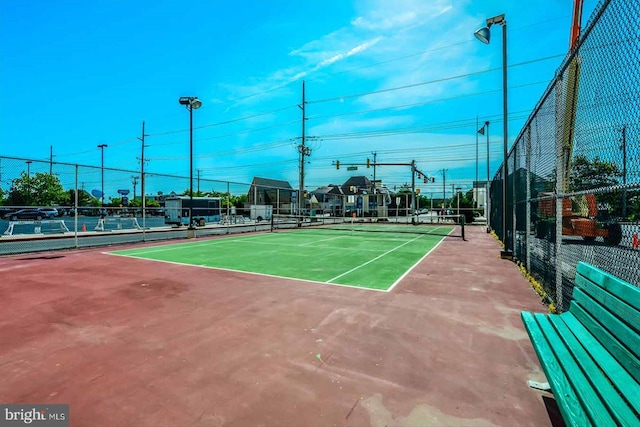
{"points": [[591, 402], [618, 376], [568, 402], [626, 359], [618, 287], [596, 374], [618, 330], [628, 314]]}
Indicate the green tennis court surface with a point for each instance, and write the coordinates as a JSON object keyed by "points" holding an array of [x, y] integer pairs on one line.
{"points": [[373, 260]]}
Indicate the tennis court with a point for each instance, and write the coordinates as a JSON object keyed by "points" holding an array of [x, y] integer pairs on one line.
{"points": [[133, 342], [368, 256]]}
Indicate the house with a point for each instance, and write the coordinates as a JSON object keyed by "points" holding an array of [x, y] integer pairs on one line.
{"points": [[274, 192], [328, 199], [357, 195]]}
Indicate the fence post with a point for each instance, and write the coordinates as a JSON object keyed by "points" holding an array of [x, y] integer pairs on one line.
{"points": [[512, 197], [558, 192], [75, 213], [527, 235]]}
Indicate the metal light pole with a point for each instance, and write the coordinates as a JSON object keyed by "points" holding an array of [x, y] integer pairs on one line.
{"points": [[484, 35], [484, 130], [191, 103], [102, 147], [475, 185]]}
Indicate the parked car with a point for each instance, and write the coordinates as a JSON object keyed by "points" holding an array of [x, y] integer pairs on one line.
{"points": [[91, 212], [26, 214], [4, 212], [50, 212]]}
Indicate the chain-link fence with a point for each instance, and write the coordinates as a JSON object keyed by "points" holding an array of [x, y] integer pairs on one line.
{"points": [[50, 205], [573, 190], [47, 205]]}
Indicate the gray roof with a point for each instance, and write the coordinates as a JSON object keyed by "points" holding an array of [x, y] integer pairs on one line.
{"points": [[328, 189], [271, 183], [362, 182], [359, 181]]}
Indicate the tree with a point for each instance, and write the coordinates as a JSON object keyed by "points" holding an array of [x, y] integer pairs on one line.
{"points": [[149, 203], [84, 198], [196, 193], [591, 174], [41, 189]]}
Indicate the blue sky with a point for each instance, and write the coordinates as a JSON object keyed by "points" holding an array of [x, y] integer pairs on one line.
{"points": [[76, 74]]}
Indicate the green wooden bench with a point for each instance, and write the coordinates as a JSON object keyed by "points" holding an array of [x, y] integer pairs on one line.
{"points": [[591, 353]]}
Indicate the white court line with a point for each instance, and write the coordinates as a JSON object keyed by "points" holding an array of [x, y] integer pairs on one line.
{"points": [[321, 240], [173, 246], [248, 272], [374, 259], [414, 265], [244, 238]]}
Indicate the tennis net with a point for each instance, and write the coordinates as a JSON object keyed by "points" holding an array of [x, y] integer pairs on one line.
{"points": [[448, 225]]}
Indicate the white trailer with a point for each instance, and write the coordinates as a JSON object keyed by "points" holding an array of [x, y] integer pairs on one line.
{"points": [[260, 212], [205, 210]]}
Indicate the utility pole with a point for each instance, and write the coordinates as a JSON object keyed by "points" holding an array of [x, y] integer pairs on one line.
{"points": [[102, 147], [453, 193], [375, 154], [304, 151], [51, 160], [486, 125], [144, 218], [29, 182], [134, 181], [475, 184], [413, 191], [624, 171], [444, 186]]}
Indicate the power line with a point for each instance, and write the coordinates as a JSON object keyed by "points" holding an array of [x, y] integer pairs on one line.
{"points": [[278, 163], [413, 129], [252, 149], [444, 79], [225, 122], [111, 144], [433, 101], [244, 132], [398, 58]]}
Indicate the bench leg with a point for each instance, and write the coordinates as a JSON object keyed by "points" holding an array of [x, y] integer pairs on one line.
{"points": [[539, 386]]}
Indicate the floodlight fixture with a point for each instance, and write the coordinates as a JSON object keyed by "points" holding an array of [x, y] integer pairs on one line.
{"points": [[191, 102]]}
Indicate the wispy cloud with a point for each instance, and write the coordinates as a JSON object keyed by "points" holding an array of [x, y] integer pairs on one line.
{"points": [[380, 29], [336, 57]]}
